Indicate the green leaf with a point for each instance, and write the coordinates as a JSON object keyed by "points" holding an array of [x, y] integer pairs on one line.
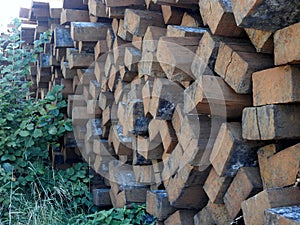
{"points": [[29, 178], [29, 142], [12, 144], [52, 130], [8, 157], [30, 126], [42, 111], [70, 171], [18, 153], [37, 133], [23, 124], [119, 216], [51, 107], [24, 133], [10, 117], [51, 97], [68, 127], [7, 167]]}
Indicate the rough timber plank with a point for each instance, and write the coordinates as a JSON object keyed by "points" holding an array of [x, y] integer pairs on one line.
{"points": [[158, 205], [271, 122], [219, 17], [73, 15], [171, 164], [172, 15], [192, 19], [81, 60], [165, 96], [230, 151], [261, 39], [216, 186], [253, 208], [137, 21], [184, 31], [73, 4], [144, 174], [185, 185], [62, 38], [88, 31], [123, 33], [211, 95], [175, 55], [213, 214], [279, 169], [122, 181], [119, 3], [151, 38], [282, 215], [150, 149], [97, 8], [263, 154], [245, 184], [287, 45], [121, 143], [197, 136], [181, 217], [101, 197], [237, 61], [253, 13], [283, 85]]}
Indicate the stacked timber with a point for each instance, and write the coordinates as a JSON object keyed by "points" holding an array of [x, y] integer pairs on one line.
{"points": [[191, 107]]}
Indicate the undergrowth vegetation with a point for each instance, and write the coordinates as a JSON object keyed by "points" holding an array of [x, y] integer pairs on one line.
{"points": [[31, 191]]}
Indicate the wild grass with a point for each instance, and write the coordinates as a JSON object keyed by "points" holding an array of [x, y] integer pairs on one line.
{"points": [[38, 208]]}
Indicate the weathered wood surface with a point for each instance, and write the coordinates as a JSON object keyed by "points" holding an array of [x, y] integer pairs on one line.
{"points": [[271, 122], [119, 3], [253, 208], [184, 31], [88, 31], [218, 15], [97, 8], [283, 86], [237, 61], [101, 197], [74, 15], [172, 15], [216, 186], [282, 215], [175, 55], [286, 45], [181, 217], [278, 169], [230, 151], [211, 95], [137, 21], [261, 39], [253, 14], [158, 204], [213, 214], [245, 184]]}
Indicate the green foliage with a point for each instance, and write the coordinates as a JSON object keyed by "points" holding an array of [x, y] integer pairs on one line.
{"points": [[117, 216], [29, 129], [51, 198], [31, 192]]}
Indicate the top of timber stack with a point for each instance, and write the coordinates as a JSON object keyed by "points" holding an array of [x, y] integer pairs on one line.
{"points": [[74, 4], [187, 94]]}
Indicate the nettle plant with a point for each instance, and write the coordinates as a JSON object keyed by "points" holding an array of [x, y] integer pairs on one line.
{"points": [[29, 127]]}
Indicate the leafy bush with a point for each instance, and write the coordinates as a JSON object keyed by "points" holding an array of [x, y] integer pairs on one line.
{"points": [[119, 216], [29, 129], [31, 192]]}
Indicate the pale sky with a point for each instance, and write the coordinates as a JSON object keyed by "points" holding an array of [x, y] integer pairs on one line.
{"points": [[10, 8]]}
